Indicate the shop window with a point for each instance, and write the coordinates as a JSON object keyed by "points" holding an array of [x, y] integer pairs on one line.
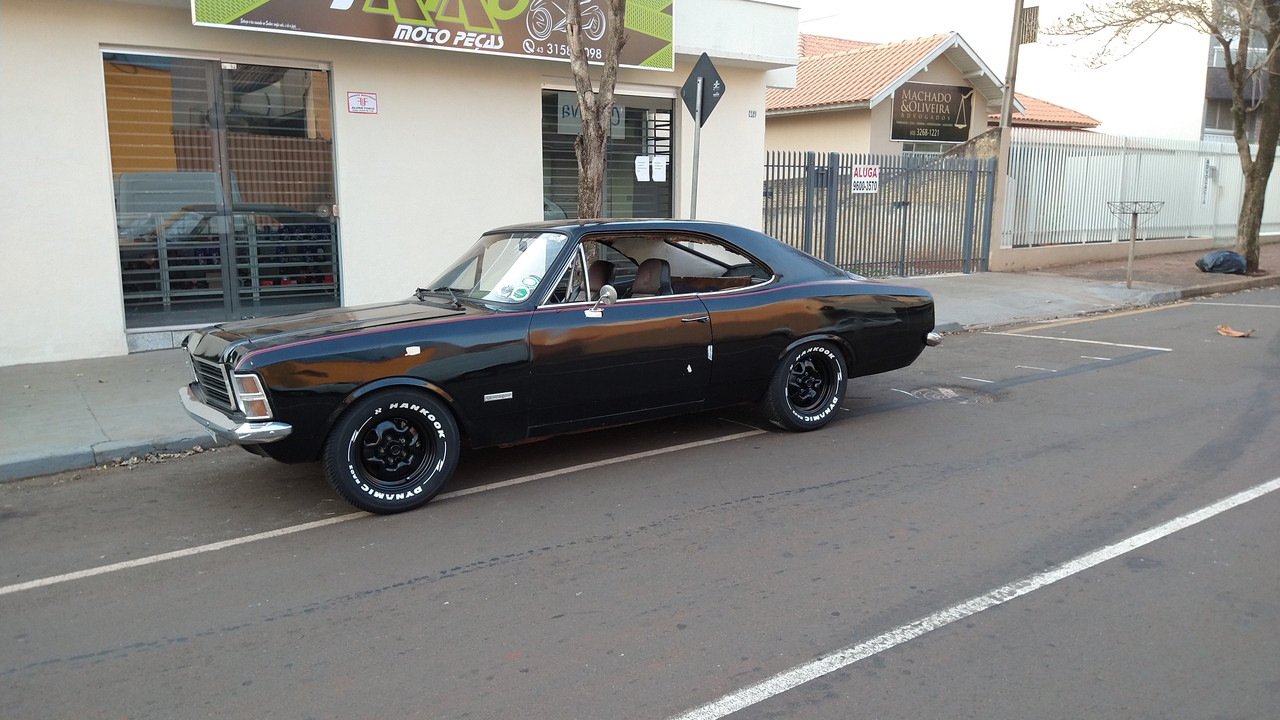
{"points": [[224, 188], [641, 127]]}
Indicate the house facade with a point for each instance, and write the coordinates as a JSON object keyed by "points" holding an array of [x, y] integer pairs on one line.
{"points": [[173, 163], [921, 95]]}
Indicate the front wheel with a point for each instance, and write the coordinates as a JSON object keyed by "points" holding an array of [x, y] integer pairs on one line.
{"points": [[807, 387], [392, 451]]}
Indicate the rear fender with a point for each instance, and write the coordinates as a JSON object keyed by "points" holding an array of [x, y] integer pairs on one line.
{"points": [[849, 357]]}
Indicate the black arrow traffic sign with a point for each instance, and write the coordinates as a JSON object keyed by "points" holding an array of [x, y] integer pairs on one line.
{"points": [[712, 89]]}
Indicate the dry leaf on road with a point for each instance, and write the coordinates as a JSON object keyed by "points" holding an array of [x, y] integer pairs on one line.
{"points": [[1227, 331]]}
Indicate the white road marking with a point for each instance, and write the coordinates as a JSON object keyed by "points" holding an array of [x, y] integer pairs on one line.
{"points": [[1093, 357], [962, 377], [270, 534], [597, 464], [1033, 367], [1078, 340], [153, 559], [1247, 305], [801, 674]]}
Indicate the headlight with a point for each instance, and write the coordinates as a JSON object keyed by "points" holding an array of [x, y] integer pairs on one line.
{"points": [[251, 396]]}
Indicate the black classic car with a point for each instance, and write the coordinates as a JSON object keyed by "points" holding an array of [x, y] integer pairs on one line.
{"points": [[548, 328]]}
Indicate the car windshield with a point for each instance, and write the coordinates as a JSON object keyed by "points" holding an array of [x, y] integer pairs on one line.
{"points": [[503, 268]]}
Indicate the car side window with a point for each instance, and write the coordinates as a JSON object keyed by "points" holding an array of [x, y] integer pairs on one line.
{"points": [[604, 265], [571, 285], [707, 266]]}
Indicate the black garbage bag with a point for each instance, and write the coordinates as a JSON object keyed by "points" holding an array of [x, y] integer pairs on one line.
{"points": [[1221, 261]]}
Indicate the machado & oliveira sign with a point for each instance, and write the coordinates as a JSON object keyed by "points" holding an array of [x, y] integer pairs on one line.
{"points": [[928, 112], [526, 28]]}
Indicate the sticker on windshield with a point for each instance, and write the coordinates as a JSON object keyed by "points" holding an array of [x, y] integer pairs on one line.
{"points": [[531, 281], [520, 293]]}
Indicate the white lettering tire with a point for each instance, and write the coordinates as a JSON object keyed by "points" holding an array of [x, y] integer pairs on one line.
{"points": [[807, 388], [392, 451]]}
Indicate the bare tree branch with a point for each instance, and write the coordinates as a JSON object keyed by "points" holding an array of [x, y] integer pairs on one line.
{"points": [[1236, 26]]}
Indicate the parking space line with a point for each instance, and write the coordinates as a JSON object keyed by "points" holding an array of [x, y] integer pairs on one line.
{"points": [[597, 464], [801, 674], [153, 559], [1243, 305], [1091, 318], [281, 532], [1081, 340]]}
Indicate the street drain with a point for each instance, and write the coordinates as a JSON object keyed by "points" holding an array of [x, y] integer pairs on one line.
{"points": [[960, 396]]}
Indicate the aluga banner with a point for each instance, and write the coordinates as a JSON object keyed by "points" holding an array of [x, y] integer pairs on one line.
{"points": [[527, 28]]}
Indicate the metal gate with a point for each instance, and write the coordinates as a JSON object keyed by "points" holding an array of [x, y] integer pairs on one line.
{"points": [[928, 215]]}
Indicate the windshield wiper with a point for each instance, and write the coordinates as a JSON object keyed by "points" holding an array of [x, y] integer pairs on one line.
{"points": [[420, 293]]}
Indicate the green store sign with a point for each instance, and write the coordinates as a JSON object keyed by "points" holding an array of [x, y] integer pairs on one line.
{"points": [[528, 28]]}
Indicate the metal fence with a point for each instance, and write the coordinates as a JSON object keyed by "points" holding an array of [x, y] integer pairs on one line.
{"points": [[929, 215], [1060, 182]]}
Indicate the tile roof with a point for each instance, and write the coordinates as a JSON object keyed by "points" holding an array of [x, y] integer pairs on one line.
{"points": [[813, 45], [849, 76], [1041, 113]]}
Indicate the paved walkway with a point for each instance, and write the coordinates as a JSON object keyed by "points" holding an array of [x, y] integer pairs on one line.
{"points": [[80, 413]]}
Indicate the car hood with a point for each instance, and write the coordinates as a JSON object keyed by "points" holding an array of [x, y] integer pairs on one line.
{"points": [[220, 342]]}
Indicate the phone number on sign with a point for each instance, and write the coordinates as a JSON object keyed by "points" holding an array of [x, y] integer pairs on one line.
{"points": [[558, 50]]}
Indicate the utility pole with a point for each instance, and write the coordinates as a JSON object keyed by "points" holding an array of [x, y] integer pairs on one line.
{"points": [[1011, 71]]}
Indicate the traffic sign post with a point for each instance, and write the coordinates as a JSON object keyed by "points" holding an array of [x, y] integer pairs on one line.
{"points": [[701, 93]]}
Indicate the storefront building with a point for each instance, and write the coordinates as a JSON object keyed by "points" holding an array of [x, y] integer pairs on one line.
{"points": [[169, 163]]}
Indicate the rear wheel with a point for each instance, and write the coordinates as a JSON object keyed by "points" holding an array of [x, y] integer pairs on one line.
{"points": [[392, 451], [807, 387]]}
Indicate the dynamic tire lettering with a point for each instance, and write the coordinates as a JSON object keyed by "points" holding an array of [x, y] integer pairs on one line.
{"points": [[807, 387], [392, 451]]}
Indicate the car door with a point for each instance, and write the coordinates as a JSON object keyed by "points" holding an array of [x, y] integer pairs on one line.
{"points": [[631, 360]]}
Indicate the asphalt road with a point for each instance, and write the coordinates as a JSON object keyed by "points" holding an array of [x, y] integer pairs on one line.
{"points": [[940, 550]]}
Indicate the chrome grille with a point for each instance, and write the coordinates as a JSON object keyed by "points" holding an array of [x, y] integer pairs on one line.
{"points": [[213, 380]]}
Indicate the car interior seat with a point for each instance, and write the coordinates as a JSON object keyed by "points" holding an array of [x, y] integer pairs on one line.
{"points": [[599, 274], [653, 277]]}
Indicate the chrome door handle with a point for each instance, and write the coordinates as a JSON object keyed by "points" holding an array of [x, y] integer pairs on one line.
{"points": [[700, 318]]}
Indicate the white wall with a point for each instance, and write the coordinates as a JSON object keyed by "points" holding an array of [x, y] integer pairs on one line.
{"points": [[455, 149], [57, 216]]}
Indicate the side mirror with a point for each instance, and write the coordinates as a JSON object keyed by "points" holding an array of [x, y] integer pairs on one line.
{"points": [[607, 296]]}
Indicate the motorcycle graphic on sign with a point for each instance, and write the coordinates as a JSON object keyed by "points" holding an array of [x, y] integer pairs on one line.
{"points": [[546, 16]]}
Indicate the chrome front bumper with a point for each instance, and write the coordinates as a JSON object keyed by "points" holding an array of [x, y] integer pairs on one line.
{"points": [[933, 339], [244, 433]]}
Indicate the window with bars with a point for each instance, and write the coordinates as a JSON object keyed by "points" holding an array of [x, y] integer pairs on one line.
{"points": [[224, 188], [641, 126]]}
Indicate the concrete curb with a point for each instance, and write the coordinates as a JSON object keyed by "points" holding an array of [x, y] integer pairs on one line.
{"points": [[20, 466]]}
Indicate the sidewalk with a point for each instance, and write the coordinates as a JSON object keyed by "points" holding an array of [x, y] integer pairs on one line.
{"points": [[80, 413]]}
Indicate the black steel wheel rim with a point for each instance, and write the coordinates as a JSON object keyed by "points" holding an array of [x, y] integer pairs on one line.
{"points": [[394, 451], [809, 385]]}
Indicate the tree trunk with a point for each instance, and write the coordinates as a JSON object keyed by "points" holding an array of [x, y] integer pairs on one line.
{"points": [[1256, 175], [594, 106], [590, 149], [1257, 170]]}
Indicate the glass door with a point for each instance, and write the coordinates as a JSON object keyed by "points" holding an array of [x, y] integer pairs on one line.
{"points": [[224, 189], [637, 163]]}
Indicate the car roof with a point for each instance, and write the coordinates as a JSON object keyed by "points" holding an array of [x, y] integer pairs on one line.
{"points": [[783, 258]]}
